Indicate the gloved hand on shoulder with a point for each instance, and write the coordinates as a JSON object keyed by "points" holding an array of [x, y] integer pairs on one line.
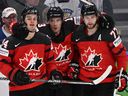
{"points": [[121, 81], [106, 21], [73, 71], [19, 77], [57, 77], [20, 31]]}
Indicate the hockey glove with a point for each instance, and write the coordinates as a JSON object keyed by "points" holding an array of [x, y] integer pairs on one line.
{"points": [[73, 71], [20, 31], [57, 77], [106, 21], [19, 77], [121, 82]]}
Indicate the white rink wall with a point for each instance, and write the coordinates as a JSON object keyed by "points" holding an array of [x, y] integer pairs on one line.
{"points": [[4, 89]]}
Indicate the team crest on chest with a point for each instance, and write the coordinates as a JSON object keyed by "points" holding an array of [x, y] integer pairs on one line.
{"points": [[31, 62], [62, 53], [91, 59]]}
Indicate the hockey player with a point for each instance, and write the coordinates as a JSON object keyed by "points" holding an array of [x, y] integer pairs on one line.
{"points": [[60, 32], [9, 16], [99, 46], [26, 55]]}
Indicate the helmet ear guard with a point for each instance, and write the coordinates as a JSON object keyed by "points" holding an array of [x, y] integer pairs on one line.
{"points": [[55, 12]]}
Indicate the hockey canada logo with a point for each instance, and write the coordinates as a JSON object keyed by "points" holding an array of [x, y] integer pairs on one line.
{"points": [[31, 62], [91, 59], [62, 53]]}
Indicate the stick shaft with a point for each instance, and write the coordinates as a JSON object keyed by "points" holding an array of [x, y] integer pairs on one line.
{"points": [[62, 81], [94, 82]]}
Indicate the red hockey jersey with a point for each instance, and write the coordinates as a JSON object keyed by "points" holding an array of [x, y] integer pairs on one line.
{"points": [[64, 48], [98, 51], [35, 57]]}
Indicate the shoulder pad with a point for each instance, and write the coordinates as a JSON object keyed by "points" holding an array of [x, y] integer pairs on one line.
{"points": [[9, 42]]}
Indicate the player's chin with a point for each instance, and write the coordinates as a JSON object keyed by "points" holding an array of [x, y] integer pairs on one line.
{"points": [[32, 29], [90, 27]]}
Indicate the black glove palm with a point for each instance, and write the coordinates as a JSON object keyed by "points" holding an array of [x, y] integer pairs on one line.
{"points": [[57, 77], [73, 71], [20, 31], [19, 77], [106, 21]]}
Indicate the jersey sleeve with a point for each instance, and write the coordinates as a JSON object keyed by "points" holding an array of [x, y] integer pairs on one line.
{"points": [[49, 59], [5, 58], [118, 49]]}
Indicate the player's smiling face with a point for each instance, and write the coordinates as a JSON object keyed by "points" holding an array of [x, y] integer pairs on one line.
{"points": [[55, 24], [31, 21], [90, 21]]}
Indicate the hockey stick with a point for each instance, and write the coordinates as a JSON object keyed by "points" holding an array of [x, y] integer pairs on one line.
{"points": [[54, 81], [62, 81], [94, 82]]}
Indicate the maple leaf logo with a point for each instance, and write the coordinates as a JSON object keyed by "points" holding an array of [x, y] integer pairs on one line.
{"points": [[31, 62], [62, 53], [90, 58]]}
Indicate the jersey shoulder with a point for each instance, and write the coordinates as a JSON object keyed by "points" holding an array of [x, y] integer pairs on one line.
{"points": [[111, 35], [43, 38], [78, 33], [44, 28], [10, 42]]}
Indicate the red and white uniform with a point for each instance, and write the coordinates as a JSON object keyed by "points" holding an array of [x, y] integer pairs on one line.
{"points": [[98, 51], [35, 57], [62, 43]]}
